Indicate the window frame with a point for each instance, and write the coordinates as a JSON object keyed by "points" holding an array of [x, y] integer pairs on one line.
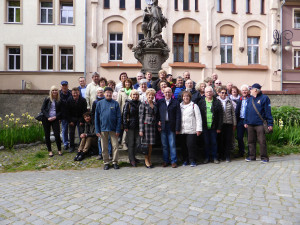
{"points": [[296, 59], [116, 42], [193, 44], [262, 7], [219, 6], [14, 7], [60, 13], [138, 2], [252, 46], [47, 55], [188, 4], [177, 44], [47, 12], [226, 44], [248, 6], [296, 10], [122, 2], [67, 57], [106, 4], [176, 5], [15, 55], [233, 7], [138, 36], [197, 5]]}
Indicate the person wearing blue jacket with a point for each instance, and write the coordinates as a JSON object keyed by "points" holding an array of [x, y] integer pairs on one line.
{"points": [[108, 124], [254, 124], [169, 122]]}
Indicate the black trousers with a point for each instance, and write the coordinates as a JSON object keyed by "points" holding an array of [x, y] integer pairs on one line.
{"points": [[72, 133], [189, 147], [56, 130], [225, 141]]}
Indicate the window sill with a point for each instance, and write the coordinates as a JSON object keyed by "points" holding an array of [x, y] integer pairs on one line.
{"points": [[230, 66], [122, 8], [186, 10], [65, 24], [234, 13], [187, 64], [120, 65], [248, 13], [46, 24], [138, 9], [219, 12], [18, 23], [64, 71]]}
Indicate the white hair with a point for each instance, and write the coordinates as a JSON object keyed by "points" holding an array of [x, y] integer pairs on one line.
{"points": [[100, 89], [139, 74], [244, 86], [209, 88], [142, 81]]}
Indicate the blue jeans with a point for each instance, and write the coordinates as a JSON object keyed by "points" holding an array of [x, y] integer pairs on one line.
{"points": [[64, 132], [210, 140], [109, 146], [168, 144]]}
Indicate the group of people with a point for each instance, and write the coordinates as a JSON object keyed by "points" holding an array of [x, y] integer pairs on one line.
{"points": [[109, 116]]}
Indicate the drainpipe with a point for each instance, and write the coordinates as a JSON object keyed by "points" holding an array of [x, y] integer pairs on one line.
{"points": [[85, 18], [281, 67]]}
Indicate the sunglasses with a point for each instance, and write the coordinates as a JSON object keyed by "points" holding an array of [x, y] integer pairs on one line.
{"points": [[223, 93], [218, 83]]}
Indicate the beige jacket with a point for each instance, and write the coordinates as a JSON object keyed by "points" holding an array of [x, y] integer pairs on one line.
{"points": [[122, 97], [91, 94]]}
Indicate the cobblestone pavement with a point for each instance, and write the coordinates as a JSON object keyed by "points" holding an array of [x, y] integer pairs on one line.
{"points": [[228, 193]]}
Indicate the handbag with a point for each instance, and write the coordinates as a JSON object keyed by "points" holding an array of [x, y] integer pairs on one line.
{"points": [[39, 117], [265, 123], [142, 148]]}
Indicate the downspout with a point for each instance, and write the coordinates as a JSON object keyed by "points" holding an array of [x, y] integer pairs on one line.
{"points": [[85, 18], [281, 67]]}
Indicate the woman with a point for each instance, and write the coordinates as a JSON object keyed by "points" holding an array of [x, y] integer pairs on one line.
{"points": [[112, 85], [200, 87], [102, 82], [123, 95], [51, 110], [123, 76], [228, 126], [191, 127], [160, 94], [147, 124], [142, 90], [131, 124], [235, 95]]}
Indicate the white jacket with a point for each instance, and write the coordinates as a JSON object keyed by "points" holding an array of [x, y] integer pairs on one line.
{"points": [[91, 94], [191, 120]]}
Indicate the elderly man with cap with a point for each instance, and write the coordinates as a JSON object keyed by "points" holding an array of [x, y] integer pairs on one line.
{"points": [[108, 124], [65, 94], [258, 109], [91, 90]]}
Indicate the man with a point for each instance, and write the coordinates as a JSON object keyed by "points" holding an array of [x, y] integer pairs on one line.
{"points": [[212, 120], [187, 76], [108, 124], [65, 94], [91, 90], [240, 116], [139, 76], [189, 86], [162, 74], [82, 86], [77, 106], [179, 86], [169, 122], [254, 124], [148, 76], [214, 77], [229, 87], [208, 81], [217, 84]]}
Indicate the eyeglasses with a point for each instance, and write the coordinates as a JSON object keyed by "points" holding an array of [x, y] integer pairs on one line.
{"points": [[223, 93], [218, 83]]}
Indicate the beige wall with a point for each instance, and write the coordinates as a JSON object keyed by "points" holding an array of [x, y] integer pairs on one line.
{"points": [[207, 22], [31, 35]]}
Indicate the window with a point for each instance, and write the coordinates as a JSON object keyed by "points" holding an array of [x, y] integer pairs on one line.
{"points": [[122, 4], [297, 60], [13, 12], [196, 5], [14, 58], [297, 19], [47, 58], [262, 7], [186, 4], [248, 6], [194, 48], [233, 6], [46, 12], [178, 47], [253, 50], [138, 4], [115, 46], [66, 13], [226, 49], [219, 5], [66, 59], [140, 36], [106, 4], [176, 4]]}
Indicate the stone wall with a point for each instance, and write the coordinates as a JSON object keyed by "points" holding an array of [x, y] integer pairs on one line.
{"points": [[19, 102]]}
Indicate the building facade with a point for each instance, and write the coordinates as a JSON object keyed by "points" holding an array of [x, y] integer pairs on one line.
{"points": [[291, 57], [228, 37], [42, 42]]}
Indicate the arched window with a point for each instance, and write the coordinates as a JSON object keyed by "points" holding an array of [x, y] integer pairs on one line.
{"points": [[186, 4]]}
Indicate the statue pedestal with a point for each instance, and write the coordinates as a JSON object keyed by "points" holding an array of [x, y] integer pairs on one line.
{"points": [[152, 59]]}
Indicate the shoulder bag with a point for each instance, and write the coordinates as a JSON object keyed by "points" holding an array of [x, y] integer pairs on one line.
{"points": [[265, 123]]}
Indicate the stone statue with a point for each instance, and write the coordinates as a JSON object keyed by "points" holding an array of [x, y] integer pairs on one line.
{"points": [[153, 20], [152, 51]]}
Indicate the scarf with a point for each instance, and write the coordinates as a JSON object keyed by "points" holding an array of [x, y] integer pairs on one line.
{"points": [[127, 91]]}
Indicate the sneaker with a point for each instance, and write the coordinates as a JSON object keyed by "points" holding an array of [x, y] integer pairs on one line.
{"points": [[185, 163], [249, 160], [193, 164], [205, 161], [264, 161], [106, 167], [216, 161], [116, 166]]}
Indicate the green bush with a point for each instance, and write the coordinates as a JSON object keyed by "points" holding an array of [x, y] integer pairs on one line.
{"points": [[286, 115]]}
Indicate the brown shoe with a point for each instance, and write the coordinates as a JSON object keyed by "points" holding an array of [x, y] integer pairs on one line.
{"points": [[164, 164], [174, 165]]}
